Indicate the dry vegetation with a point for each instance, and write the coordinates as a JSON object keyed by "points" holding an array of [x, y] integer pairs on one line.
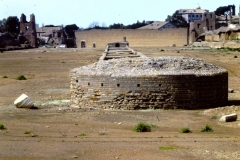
{"points": [[59, 131]]}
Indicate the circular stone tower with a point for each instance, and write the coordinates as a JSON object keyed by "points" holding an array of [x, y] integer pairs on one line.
{"points": [[149, 83]]}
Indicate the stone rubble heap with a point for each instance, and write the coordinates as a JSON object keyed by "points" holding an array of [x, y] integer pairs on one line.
{"points": [[150, 67]]}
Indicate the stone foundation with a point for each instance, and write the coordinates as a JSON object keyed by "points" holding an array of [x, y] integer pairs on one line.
{"points": [[170, 91]]}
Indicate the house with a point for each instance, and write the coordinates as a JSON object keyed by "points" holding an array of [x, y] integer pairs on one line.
{"points": [[158, 25], [191, 15]]}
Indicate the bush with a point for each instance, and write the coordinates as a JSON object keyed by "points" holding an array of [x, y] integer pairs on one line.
{"points": [[142, 127], [185, 130], [2, 127], [21, 77], [162, 50], [167, 148], [28, 132], [83, 134], [4, 77], [207, 128]]}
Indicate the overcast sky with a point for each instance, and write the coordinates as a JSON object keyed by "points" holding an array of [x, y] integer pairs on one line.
{"points": [[105, 12]]}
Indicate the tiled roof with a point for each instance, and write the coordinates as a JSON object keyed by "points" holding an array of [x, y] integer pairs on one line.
{"points": [[188, 11], [155, 25]]}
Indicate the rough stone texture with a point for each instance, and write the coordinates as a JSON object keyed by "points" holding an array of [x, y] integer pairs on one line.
{"points": [[150, 83]]}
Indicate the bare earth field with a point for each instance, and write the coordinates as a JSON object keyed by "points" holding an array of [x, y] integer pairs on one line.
{"points": [[58, 131]]}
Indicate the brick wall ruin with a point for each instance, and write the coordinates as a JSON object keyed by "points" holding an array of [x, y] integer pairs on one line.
{"points": [[160, 90], [28, 33]]}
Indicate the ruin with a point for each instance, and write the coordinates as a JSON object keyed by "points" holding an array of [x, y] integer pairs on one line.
{"points": [[149, 83], [115, 50], [28, 33]]}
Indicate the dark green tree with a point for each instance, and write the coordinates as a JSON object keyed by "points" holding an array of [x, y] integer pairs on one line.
{"points": [[224, 10], [178, 20], [12, 25], [70, 29]]}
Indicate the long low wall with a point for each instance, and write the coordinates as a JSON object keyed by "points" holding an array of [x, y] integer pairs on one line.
{"points": [[165, 91], [136, 38]]}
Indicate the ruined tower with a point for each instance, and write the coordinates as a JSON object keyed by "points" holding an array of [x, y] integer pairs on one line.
{"points": [[28, 33]]}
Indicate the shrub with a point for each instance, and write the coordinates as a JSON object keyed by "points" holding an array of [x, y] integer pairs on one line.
{"points": [[185, 130], [214, 117], [167, 148], [162, 50], [142, 127], [2, 127], [28, 132], [83, 134], [207, 128], [4, 77], [21, 77]]}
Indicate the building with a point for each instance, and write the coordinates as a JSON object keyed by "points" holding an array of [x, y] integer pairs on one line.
{"points": [[191, 15], [158, 25], [28, 33]]}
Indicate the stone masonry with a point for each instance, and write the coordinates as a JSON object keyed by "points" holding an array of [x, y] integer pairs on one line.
{"points": [[149, 83]]}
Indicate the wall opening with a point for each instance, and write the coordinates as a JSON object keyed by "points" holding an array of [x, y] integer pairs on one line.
{"points": [[118, 85], [94, 45], [117, 45], [138, 85], [88, 84], [101, 84], [83, 44], [76, 81]]}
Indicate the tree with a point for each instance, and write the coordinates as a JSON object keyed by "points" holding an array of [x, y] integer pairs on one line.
{"points": [[224, 10], [70, 29], [2, 25], [169, 18], [94, 24], [178, 20], [12, 25]]}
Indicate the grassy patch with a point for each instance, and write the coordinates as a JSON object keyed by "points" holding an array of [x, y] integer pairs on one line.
{"points": [[167, 148], [4, 77], [214, 117], [21, 77], [27, 132], [185, 130], [207, 128], [83, 134], [2, 127], [143, 127]]}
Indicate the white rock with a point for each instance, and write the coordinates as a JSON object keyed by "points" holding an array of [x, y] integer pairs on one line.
{"points": [[228, 118], [23, 102]]}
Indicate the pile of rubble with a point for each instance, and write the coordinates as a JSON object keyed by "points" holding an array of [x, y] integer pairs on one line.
{"points": [[147, 66]]}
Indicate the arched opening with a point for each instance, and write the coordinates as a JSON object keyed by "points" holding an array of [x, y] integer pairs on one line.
{"points": [[117, 45], [83, 44]]}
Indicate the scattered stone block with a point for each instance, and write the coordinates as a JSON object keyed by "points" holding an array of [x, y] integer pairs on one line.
{"points": [[230, 90], [23, 102], [228, 118]]}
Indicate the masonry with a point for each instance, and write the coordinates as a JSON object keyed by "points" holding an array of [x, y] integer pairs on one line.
{"points": [[138, 38], [162, 89]]}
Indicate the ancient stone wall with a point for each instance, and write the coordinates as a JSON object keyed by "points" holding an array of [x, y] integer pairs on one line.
{"points": [[149, 92], [136, 38]]}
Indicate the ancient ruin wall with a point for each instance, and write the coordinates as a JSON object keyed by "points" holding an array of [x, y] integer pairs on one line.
{"points": [[153, 91], [137, 38]]}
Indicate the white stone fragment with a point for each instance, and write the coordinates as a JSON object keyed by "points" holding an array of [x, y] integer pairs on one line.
{"points": [[23, 102], [228, 118]]}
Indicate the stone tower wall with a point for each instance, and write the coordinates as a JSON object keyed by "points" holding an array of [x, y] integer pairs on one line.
{"points": [[155, 92]]}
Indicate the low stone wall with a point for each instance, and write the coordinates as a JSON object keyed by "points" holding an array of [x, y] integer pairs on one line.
{"points": [[184, 91]]}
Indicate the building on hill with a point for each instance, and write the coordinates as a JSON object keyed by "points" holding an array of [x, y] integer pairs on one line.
{"points": [[191, 15], [200, 21], [158, 25]]}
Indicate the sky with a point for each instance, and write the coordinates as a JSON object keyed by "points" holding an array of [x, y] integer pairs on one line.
{"points": [[104, 12]]}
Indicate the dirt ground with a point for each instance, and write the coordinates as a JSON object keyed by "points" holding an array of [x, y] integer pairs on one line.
{"points": [[58, 131]]}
